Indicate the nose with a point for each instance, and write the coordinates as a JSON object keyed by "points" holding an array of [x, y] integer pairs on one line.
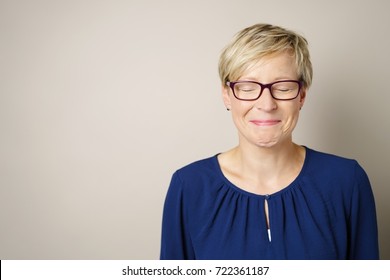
{"points": [[266, 102]]}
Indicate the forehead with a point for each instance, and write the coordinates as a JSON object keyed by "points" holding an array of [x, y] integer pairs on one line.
{"points": [[274, 66]]}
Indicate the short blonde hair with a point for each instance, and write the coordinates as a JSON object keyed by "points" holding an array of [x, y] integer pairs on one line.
{"points": [[258, 41]]}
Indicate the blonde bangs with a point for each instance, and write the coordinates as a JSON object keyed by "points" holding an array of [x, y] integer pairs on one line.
{"points": [[258, 41]]}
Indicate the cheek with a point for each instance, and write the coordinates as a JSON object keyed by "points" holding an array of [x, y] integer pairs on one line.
{"points": [[240, 107], [239, 113], [291, 117]]}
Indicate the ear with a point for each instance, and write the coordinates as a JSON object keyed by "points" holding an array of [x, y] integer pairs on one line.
{"points": [[226, 96], [302, 97]]}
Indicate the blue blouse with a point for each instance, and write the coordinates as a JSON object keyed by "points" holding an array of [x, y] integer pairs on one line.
{"points": [[327, 212]]}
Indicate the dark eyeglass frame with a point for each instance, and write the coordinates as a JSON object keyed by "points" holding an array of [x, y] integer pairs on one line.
{"points": [[264, 86]]}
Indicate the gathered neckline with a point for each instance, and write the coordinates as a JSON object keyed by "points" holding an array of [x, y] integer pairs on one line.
{"points": [[290, 186]]}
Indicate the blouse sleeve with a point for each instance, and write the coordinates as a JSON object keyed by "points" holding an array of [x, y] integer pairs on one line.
{"points": [[175, 240], [363, 243]]}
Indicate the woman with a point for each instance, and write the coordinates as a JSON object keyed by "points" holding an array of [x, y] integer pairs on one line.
{"points": [[269, 198]]}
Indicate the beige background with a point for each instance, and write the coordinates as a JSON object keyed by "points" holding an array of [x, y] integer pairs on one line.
{"points": [[101, 101]]}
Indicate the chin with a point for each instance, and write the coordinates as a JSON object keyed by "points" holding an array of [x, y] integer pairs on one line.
{"points": [[267, 144]]}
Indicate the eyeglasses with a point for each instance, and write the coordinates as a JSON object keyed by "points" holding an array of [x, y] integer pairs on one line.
{"points": [[280, 90]]}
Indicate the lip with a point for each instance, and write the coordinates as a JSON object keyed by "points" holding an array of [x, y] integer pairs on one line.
{"points": [[265, 122]]}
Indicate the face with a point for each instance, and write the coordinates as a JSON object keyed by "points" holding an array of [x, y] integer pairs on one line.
{"points": [[266, 122]]}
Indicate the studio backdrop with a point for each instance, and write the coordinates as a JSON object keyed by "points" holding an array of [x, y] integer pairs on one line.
{"points": [[101, 101]]}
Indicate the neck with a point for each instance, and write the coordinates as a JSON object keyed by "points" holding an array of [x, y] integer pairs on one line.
{"points": [[269, 167]]}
